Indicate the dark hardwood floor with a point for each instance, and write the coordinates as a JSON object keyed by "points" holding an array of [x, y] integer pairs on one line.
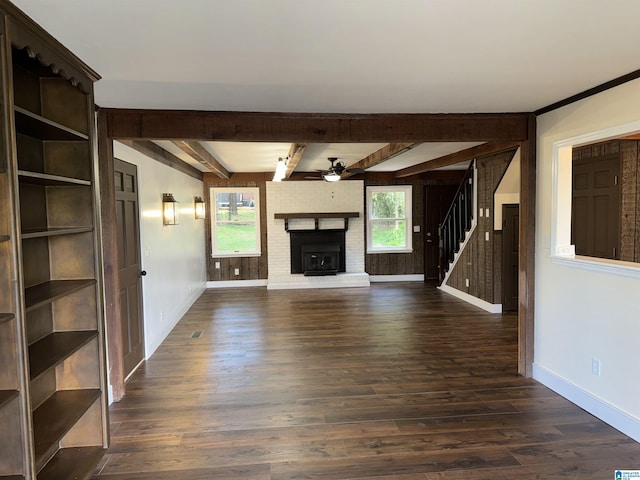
{"points": [[395, 381]]}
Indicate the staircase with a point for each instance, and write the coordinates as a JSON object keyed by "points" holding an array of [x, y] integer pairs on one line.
{"points": [[457, 223]]}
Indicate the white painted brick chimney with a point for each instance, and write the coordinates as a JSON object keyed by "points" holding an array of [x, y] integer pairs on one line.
{"points": [[315, 197]]}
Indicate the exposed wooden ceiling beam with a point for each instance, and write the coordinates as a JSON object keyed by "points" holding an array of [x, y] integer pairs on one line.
{"points": [[295, 154], [457, 157], [201, 155], [315, 127], [379, 156], [159, 154]]}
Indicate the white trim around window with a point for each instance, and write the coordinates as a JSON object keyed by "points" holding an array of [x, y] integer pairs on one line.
{"points": [[406, 218], [250, 196]]}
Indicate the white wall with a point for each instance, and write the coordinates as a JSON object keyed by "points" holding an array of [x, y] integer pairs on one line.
{"points": [[173, 256], [582, 314], [508, 192]]}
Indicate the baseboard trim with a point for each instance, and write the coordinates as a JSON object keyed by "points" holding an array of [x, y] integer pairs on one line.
{"points": [[606, 412], [486, 306], [342, 280], [237, 283], [396, 278]]}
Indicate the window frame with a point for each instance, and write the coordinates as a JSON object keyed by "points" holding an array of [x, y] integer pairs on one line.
{"points": [[408, 196], [213, 192]]}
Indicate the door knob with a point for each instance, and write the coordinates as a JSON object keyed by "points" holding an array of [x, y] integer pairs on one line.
{"points": [[142, 273]]}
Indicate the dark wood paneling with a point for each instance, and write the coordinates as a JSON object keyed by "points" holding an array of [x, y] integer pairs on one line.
{"points": [[478, 264], [314, 127], [498, 281], [630, 195]]}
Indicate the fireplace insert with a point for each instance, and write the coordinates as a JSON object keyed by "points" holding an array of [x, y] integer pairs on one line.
{"points": [[317, 252]]}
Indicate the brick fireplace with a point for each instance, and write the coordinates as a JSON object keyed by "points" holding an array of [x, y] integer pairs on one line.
{"points": [[328, 219]]}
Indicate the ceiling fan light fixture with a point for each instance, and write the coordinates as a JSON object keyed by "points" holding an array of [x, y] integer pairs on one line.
{"points": [[281, 169], [331, 177]]}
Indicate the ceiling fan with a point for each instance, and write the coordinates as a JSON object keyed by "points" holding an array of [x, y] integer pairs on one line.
{"points": [[336, 169]]}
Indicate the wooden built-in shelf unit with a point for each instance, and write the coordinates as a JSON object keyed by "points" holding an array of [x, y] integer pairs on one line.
{"points": [[53, 400]]}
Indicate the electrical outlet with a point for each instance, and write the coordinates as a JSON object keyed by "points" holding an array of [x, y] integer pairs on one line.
{"points": [[466, 282], [596, 367], [481, 211], [218, 265], [486, 213], [486, 236], [236, 271]]}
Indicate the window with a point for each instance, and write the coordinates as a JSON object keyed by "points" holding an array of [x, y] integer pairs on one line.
{"points": [[389, 219], [235, 222]]}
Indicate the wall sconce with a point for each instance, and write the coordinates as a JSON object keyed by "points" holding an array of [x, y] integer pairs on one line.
{"points": [[199, 208], [169, 209]]}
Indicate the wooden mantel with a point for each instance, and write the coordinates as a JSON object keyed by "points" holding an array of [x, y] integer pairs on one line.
{"points": [[316, 216]]}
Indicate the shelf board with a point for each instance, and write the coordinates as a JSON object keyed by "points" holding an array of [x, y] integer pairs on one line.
{"points": [[316, 216], [55, 417], [289, 216], [50, 232], [6, 396], [47, 292], [5, 317], [77, 462], [37, 178], [54, 348], [35, 125], [4, 238]]}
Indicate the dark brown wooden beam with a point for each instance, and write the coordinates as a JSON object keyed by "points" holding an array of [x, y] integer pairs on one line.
{"points": [[295, 154], [457, 157], [238, 179], [110, 259], [526, 252], [379, 156], [200, 154], [314, 127], [159, 154]]}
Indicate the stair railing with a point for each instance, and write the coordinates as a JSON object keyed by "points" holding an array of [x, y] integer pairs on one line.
{"points": [[457, 221]]}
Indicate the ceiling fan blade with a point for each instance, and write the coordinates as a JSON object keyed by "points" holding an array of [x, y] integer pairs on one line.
{"points": [[355, 170]]}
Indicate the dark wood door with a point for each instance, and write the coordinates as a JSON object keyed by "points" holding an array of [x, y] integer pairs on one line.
{"points": [[595, 216], [127, 219], [510, 242], [438, 199]]}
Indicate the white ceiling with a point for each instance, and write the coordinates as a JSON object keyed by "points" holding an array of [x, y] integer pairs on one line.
{"points": [[344, 56]]}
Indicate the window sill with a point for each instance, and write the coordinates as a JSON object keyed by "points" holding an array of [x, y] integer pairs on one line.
{"points": [[612, 267], [235, 255], [390, 250]]}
